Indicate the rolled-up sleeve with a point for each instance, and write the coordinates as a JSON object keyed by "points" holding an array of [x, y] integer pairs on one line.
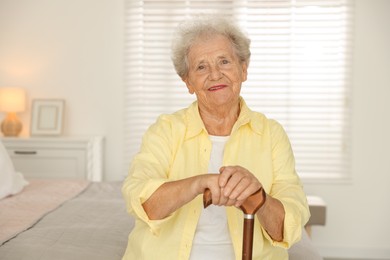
{"points": [[148, 171], [287, 188]]}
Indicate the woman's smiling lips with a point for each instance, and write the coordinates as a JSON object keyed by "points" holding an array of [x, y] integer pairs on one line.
{"points": [[216, 87]]}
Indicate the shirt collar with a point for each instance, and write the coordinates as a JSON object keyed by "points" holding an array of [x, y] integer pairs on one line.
{"points": [[248, 117], [195, 124]]}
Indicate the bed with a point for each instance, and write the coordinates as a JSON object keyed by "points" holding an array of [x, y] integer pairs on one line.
{"points": [[92, 224], [78, 220], [88, 222]]}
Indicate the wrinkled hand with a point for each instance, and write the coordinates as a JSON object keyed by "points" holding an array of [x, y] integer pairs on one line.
{"points": [[215, 193], [237, 183], [234, 185]]}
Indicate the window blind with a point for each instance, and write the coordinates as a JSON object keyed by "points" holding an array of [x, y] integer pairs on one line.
{"points": [[298, 73]]}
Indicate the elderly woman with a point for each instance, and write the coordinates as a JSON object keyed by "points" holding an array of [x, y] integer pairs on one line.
{"points": [[217, 143]]}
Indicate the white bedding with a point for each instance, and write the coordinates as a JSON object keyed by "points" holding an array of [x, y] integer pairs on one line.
{"points": [[11, 182]]}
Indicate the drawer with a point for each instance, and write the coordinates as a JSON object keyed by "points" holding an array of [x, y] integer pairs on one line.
{"points": [[50, 163], [57, 157]]}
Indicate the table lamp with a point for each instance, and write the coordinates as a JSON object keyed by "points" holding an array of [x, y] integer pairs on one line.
{"points": [[12, 100]]}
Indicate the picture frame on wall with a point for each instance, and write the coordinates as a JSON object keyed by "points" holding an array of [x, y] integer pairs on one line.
{"points": [[47, 116]]}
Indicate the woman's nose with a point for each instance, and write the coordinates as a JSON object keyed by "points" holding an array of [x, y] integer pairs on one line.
{"points": [[215, 73]]}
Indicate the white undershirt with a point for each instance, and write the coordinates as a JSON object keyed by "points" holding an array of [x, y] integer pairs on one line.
{"points": [[212, 239]]}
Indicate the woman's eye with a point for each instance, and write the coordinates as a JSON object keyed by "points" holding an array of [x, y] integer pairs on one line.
{"points": [[200, 67], [225, 61]]}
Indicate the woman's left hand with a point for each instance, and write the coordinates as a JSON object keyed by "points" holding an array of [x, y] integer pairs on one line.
{"points": [[238, 183]]}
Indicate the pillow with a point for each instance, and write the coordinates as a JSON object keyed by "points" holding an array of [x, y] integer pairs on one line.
{"points": [[11, 182]]}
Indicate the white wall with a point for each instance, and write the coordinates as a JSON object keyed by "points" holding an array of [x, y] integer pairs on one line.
{"points": [[73, 50], [358, 213]]}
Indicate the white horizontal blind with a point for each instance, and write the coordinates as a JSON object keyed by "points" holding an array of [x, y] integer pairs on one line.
{"points": [[298, 74]]}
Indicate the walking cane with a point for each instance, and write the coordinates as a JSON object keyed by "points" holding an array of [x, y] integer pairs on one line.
{"points": [[251, 205]]}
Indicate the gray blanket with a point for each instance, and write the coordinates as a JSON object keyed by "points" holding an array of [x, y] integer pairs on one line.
{"points": [[93, 226]]}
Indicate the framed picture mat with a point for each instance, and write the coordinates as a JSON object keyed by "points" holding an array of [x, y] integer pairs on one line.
{"points": [[47, 116]]}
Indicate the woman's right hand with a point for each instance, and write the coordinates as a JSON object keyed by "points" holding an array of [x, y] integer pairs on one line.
{"points": [[211, 181], [174, 194]]}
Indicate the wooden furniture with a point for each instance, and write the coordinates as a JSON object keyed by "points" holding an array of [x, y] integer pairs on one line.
{"points": [[57, 157], [317, 208]]}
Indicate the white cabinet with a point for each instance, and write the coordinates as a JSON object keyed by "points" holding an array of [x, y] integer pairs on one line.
{"points": [[57, 157]]}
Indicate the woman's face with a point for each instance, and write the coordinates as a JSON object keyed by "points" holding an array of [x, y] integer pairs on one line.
{"points": [[215, 72]]}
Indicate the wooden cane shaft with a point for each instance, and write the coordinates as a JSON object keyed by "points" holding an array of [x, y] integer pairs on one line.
{"points": [[250, 206], [247, 242]]}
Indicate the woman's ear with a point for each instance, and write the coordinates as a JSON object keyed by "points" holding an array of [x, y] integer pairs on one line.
{"points": [[244, 71], [189, 87]]}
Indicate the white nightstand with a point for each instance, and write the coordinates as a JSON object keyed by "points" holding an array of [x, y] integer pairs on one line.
{"points": [[57, 157]]}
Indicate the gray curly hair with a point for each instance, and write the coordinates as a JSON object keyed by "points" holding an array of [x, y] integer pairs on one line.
{"points": [[205, 26]]}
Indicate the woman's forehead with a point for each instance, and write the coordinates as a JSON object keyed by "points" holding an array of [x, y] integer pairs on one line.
{"points": [[217, 46]]}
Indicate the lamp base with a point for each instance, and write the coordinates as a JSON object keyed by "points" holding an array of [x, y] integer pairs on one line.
{"points": [[11, 125]]}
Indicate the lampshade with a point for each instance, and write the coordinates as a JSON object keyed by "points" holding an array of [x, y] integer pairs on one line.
{"points": [[12, 100]]}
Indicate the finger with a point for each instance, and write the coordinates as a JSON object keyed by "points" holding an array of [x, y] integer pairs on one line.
{"points": [[231, 186], [252, 188], [225, 173], [222, 199], [239, 203], [211, 183], [215, 194], [230, 202], [241, 184]]}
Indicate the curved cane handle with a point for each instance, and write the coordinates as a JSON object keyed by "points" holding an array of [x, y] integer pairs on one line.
{"points": [[254, 202], [250, 206], [207, 200]]}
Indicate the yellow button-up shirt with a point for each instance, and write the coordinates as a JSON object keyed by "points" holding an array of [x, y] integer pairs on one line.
{"points": [[177, 146]]}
